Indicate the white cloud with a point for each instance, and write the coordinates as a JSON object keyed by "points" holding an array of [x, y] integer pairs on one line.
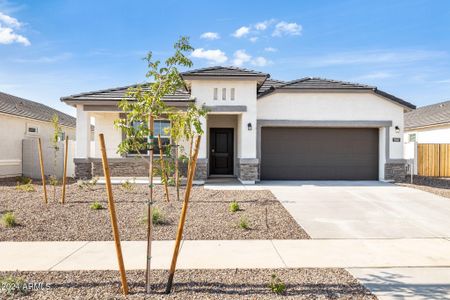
{"points": [[241, 32], [8, 36], [9, 21], [253, 39], [270, 49], [241, 57], [214, 56], [210, 36], [261, 26], [260, 61], [7, 32], [284, 28]]}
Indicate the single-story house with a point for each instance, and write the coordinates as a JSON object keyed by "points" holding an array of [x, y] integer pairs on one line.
{"points": [[24, 119], [258, 128], [429, 124]]}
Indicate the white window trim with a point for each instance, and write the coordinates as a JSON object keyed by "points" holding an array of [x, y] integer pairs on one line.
{"points": [[224, 94]]}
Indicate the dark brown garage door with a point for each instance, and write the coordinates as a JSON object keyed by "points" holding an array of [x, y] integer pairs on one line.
{"points": [[289, 153]]}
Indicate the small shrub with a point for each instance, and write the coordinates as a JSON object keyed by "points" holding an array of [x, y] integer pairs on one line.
{"points": [[158, 217], [52, 180], [243, 223], [9, 220], [88, 184], [276, 285], [234, 206], [23, 180], [12, 286], [96, 205], [128, 185], [27, 187]]}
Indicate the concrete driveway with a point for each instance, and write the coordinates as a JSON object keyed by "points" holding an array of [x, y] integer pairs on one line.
{"points": [[363, 209]]}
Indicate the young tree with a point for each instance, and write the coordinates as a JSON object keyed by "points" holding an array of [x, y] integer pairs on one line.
{"points": [[54, 142], [142, 105]]}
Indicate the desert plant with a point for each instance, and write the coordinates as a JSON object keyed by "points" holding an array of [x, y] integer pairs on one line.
{"points": [[12, 286], [234, 206], [23, 180], [55, 139], [244, 223], [96, 205], [87, 184], [9, 219], [276, 285], [28, 187], [128, 185], [157, 216]]}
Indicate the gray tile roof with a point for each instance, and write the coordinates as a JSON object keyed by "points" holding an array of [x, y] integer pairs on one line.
{"points": [[17, 106], [220, 71], [119, 93], [315, 83], [429, 115], [268, 84]]}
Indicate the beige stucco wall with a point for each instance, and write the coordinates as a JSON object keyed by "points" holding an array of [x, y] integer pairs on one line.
{"points": [[13, 130]]}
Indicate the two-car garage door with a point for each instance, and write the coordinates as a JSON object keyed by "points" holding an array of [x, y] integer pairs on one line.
{"points": [[291, 153]]}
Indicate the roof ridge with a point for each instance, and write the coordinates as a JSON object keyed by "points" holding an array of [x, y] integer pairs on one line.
{"points": [[230, 67], [342, 81], [101, 91], [435, 104]]}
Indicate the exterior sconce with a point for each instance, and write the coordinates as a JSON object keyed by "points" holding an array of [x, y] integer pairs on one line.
{"points": [[249, 126], [397, 129]]}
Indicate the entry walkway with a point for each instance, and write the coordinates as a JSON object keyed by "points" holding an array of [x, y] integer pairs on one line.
{"points": [[214, 254]]}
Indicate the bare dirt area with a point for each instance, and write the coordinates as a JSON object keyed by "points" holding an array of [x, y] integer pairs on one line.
{"points": [[208, 218], [438, 186], [197, 284]]}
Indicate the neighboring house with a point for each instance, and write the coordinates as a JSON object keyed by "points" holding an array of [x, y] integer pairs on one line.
{"points": [[24, 119], [258, 128], [429, 124]]}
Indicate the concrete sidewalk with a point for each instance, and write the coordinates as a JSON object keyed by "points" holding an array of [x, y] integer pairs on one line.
{"points": [[213, 254]]}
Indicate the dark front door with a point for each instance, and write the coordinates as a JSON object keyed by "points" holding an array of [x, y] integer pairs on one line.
{"points": [[221, 151]]}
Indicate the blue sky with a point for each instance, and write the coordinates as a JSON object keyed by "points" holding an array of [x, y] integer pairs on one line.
{"points": [[50, 49]]}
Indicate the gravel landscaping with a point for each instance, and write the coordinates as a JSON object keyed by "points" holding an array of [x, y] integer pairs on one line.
{"points": [[438, 186], [197, 284], [208, 217]]}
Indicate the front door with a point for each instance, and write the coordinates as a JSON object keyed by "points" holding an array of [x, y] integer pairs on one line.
{"points": [[221, 151]]}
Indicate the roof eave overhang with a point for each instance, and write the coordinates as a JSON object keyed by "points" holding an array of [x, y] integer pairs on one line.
{"points": [[259, 78], [419, 127], [108, 102]]}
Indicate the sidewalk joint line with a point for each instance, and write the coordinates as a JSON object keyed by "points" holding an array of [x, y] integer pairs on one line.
{"points": [[70, 254], [278, 253]]}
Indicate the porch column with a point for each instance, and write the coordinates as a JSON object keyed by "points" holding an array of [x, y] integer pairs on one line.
{"points": [[83, 133], [83, 166], [201, 172], [248, 163]]}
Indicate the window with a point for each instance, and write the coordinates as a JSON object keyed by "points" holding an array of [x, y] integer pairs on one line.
{"points": [[412, 137], [216, 93], [232, 94], [162, 128], [61, 136], [224, 94], [32, 130], [144, 150]]}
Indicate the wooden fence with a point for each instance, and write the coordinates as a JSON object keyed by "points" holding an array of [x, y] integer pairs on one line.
{"points": [[433, 160]]}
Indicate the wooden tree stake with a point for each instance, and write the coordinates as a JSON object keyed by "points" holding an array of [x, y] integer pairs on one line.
{"points": [[149, 208], [187, 194], [112, 213], [66, 152], [177, 173], [164, 176], [41, 162]]}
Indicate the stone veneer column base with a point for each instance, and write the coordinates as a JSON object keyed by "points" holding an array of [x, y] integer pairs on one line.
{"points": [[395, 171], [83, 168], [201, 171], [248, 170]]}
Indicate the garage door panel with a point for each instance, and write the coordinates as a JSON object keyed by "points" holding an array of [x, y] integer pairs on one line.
{"points": [[319, 153]]}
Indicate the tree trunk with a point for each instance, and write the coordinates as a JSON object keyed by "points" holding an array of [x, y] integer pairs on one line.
{"points": [[177, 173], [164, 177], [149, 208]]}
